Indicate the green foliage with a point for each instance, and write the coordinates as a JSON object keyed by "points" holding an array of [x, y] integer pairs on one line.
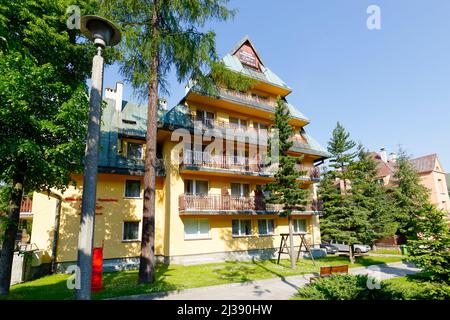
{"points": [[408, 194], [357, 209], [43, 93], [430, 247], [337, 287], [286, 189], [342, 220], [354, 287], [179, 42]]}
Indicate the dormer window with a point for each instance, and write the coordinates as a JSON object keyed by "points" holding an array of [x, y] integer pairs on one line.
{"points": [[128, 121]]}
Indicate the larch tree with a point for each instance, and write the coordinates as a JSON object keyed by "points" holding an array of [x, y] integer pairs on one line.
{"points": [[161, 36], [286, 189], [43, 106]]}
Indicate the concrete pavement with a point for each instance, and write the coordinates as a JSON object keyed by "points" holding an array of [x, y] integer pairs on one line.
{"points": [[270, 289]]}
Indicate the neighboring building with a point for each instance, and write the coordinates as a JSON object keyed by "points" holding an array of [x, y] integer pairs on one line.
{"points": [[430, 170], [206, 209]]}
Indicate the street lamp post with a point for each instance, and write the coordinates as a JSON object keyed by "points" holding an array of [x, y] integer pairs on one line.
{"points": [[103, 33]]}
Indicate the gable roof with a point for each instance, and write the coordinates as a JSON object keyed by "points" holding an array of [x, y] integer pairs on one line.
{"points": [[384, 169], [266, 75], [425, 163]]}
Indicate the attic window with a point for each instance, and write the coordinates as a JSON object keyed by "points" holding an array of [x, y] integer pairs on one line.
{"points": [[128, 121]]}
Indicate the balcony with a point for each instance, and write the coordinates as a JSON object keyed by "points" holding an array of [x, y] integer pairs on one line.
{"points": [[123, 165], [251, 99], [198, 160], [26, 206], [189, 203]]}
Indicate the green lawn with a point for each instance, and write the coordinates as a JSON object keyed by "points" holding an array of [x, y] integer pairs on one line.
{"points": [[387, 251], [176, 277]]}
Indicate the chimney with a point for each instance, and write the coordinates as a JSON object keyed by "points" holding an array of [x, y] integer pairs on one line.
{"points": [[392, 157], [119, 95], [116, 95], [383, 154], [163, 103]]}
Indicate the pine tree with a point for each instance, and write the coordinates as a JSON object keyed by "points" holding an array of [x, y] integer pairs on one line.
{"points": [[409, 196], [160, 36], [430, 245], [286, 189]]}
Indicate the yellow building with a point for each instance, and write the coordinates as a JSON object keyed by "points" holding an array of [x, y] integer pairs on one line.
{"points": [[209, 203]]}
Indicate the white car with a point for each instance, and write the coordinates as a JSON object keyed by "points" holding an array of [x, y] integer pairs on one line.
{"points": [[358, 248]]}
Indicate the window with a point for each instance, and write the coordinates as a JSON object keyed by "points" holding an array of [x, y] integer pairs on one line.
{"points": [[134, 150], [132, 189], [299, 225], [131, 231], [260, 126], [240, 190], [241, 227], [198, 187], [196, 229], [266, 226], [238, 123], [205, 117]]}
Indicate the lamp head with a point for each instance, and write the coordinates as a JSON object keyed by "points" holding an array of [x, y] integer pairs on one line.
{"points": [[100, 31]]}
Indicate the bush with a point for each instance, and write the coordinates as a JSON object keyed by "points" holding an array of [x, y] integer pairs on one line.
{"points": [[337, 287], [354, 287]]}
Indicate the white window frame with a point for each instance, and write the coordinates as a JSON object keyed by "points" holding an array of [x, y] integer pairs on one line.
{"points": [[241, 189], [239, 122], [139, 231], [267, 227], [239, 229], [296, 225], [194, 184], [125, 189], [199, 235]]}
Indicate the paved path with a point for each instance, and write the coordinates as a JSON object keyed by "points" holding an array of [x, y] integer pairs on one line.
{"points": [[270, 289]]}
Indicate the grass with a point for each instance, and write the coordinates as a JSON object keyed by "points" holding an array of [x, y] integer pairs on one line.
{"points": [[387, 251], [178, 277]]}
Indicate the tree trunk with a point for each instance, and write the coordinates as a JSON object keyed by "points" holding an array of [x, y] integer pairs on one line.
{"points": [[147, 258], [291, 242], [7, 253], [351, 254]]}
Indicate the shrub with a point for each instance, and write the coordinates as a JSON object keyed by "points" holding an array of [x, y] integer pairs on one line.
{"points": [[354, 287], [337, 287]]}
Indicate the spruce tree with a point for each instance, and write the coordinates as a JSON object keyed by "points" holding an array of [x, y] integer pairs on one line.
{"points": [[341, 220], [370, 197], [287, 189], [409, 196], [430, 245]]}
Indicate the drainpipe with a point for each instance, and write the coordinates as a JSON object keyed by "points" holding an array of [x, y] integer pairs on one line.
{"points": [[55, 231]]}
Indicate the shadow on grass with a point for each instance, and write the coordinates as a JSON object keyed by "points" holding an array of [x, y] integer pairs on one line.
{"points": [[235, 271]]}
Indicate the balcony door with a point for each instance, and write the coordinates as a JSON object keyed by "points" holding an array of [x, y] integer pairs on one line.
{"points": [[240, 190], [206, 117], [196, 187]]}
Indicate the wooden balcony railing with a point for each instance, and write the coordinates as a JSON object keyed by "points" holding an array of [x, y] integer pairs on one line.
{"points": [[209, 202], [26, 205], [206, 160]]}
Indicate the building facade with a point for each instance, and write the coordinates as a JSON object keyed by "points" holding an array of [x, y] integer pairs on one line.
{"points": [[429, 169], [209, 200]]}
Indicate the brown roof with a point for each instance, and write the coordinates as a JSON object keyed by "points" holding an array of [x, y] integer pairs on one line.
{"points": [[383, 168], [425, 163]]}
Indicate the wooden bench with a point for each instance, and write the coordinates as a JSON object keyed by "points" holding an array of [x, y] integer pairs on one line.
{"points": [[329, 270]]}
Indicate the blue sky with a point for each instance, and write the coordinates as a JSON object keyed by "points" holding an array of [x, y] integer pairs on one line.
{"points": [[388, 87]]}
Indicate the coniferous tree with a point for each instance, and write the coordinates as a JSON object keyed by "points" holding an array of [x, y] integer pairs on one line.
{"points": [[341, 221], [286, 189], [430, 244], [409, 196], [160, 36], [371, 198]]}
